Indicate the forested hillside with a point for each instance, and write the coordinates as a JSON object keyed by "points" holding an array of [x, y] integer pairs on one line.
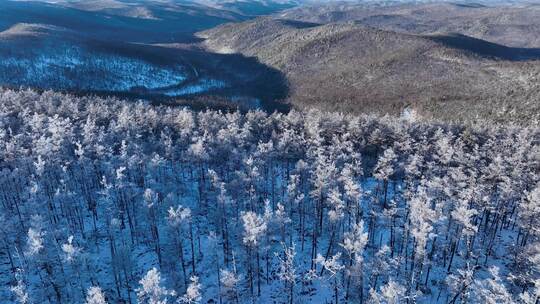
{"points": [[351, 67], [510, 23], [106, 201]]}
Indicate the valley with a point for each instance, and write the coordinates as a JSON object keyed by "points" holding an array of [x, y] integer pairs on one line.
{"points": [[108, 54]]}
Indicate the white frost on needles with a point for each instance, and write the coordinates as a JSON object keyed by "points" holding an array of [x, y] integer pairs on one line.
{"points": [[95, 296], [193, 292], [151, 291], [254, 227], [70, 250]]}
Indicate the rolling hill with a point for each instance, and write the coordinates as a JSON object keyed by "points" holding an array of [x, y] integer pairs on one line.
{"points": [[502, 22], [352, 67]]}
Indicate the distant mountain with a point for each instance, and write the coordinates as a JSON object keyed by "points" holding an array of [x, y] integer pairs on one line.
{"points": [[512, 23], [150, 9], [351, 67], [147, 22], [251, 7]]}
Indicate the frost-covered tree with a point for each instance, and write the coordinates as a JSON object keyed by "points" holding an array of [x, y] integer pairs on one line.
{"points": [[531, 297], [296, 199], [282, 219], [460, 283], [20, 289], [95, 296], [529, 215], [354, 243], [35, 240], [151, 291], [223, 202], [70, 250], [199, 151], [333, 267], [336, 204], [287, 270], [229, 280], [390, 293], [255, 227], [491, 290], [353, 193], [178, 218], [193, 292], [384, 170], [151, 200], [464, 216], [421, 217]]}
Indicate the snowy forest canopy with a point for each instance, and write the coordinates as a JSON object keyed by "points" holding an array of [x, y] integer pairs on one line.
{"points": [[106, 201]]}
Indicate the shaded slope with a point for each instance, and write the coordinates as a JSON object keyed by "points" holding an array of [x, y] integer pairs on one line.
{"points": [[137, 49], [47, 57], [485, 48]]}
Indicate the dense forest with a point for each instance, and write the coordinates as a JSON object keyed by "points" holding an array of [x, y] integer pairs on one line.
{"points": [[108, 201]]}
